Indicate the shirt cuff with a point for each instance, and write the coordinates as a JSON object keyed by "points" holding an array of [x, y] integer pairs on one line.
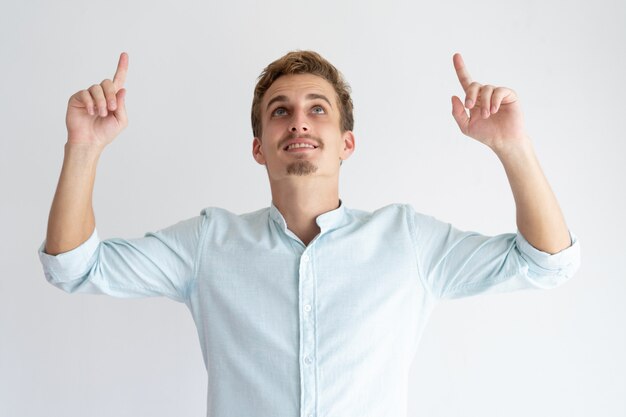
{"points": [[564, 259], [73, 262]]}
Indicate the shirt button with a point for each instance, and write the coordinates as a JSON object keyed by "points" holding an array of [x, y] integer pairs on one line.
{"points": [[305, 258], [307, 308], [307, 360]]}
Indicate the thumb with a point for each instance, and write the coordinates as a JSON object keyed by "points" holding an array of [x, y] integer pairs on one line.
{"points": [[120, 110], [459, 114]]}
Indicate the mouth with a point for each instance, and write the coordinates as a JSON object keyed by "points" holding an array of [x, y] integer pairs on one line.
{"points": [[299, 147]]}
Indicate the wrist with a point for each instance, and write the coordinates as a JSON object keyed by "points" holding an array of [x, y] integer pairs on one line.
{"points": [[508, 148], [82, 154], [86, 148]]}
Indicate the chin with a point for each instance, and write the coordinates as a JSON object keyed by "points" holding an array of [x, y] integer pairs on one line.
{"points": [[301, 168]]}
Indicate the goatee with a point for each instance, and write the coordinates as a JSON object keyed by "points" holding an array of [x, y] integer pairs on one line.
{"points": [[301, 167]]}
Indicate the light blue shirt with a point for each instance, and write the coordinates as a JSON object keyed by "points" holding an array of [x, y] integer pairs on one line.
{"points": [[324, 330]]}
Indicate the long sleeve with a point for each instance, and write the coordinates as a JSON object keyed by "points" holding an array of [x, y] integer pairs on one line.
{"points": [[454, 263], [161, 263]]}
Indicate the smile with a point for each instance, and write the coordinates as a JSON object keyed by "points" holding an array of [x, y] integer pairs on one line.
{"points": [[299, 147]]}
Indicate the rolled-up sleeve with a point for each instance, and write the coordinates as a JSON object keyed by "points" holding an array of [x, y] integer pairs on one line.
{"points": [[453, 263], [161, 263]]}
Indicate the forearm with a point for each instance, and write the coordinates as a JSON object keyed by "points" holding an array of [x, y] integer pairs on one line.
{"points": [[72, 220], [539, 217]]}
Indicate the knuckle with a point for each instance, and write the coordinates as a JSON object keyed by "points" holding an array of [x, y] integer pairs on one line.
{"points": [[107, 86]]}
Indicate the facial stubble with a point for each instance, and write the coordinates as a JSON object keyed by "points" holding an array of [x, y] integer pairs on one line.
{"points": [[301, 167]]}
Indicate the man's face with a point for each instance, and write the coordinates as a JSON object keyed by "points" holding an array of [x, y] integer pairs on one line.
{"points": [[301, 133]]}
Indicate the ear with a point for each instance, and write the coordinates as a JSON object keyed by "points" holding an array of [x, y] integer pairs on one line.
{"points": [[257, 153], [348, 144]]}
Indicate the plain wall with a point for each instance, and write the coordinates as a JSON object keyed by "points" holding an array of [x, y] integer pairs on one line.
{"points": [[193, 66]]}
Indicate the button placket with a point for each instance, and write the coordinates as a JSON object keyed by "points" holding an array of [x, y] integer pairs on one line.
{"points": [[307, 327]]}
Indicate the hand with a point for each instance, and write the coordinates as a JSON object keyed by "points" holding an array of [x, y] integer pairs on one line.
{"points": [[495, 114], [97, 115]]}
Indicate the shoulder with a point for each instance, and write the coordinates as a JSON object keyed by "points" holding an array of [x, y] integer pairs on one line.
{"points": [[390, 210], [396, 214], [222, 215]]}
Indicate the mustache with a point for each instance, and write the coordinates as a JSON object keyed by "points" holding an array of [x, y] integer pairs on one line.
{"points": [[318, 141]]}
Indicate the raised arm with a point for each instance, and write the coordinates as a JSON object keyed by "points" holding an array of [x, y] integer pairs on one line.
{"points": [[94, 118], [495, 119]]}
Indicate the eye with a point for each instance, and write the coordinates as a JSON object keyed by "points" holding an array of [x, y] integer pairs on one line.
{"points": [[279, 111], [318, 110]]}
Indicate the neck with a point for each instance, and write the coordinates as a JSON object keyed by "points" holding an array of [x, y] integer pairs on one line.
{"points": [[300, 200]]}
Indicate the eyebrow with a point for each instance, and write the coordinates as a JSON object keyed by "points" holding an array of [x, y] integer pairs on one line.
{"points": [[311, 96]]}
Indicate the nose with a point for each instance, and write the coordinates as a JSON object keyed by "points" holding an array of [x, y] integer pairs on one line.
{"points": [[299, 124]]}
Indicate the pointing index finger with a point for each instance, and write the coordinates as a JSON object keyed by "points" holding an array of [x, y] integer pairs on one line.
{"points": [[461, 71], [120, 74]]}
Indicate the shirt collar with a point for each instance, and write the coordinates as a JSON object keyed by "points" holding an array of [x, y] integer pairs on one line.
{"points": [[326, 221]]}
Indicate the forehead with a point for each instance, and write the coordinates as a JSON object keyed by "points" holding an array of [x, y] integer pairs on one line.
{"points": [[299, 84]]}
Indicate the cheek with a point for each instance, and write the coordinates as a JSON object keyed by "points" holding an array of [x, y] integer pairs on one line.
{"points": [[333, 143], [331, 125], [273, 126]]}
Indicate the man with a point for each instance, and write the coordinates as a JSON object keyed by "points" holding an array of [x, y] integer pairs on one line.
{"points": [[308, 307]]}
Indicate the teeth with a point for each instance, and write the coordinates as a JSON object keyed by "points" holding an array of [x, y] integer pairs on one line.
{"points": [[300, 145]]}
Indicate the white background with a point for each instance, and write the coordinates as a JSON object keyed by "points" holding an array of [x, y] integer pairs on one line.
{"points": [[193, 66]]}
